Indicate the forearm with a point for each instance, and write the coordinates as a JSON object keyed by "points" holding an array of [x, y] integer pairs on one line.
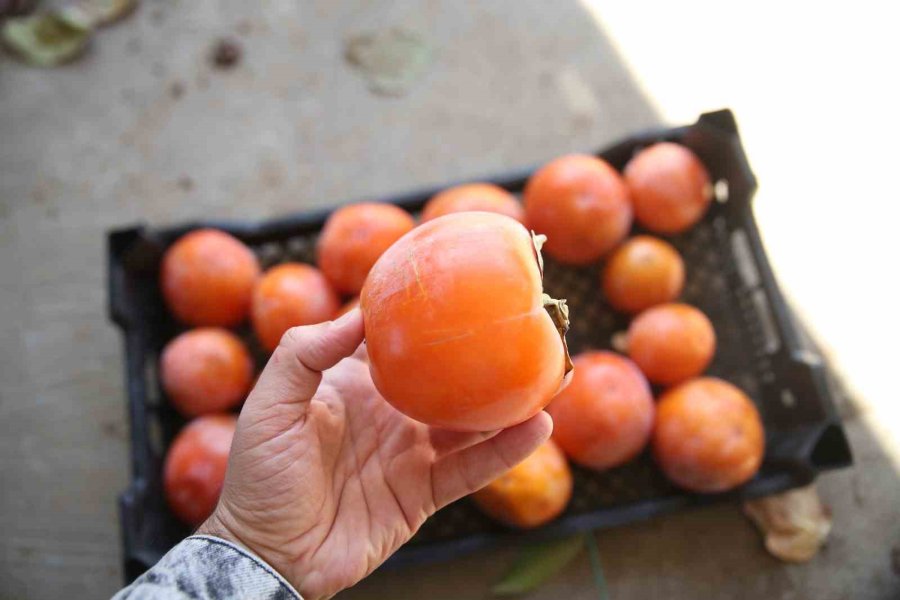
{"points": [[205, 567]]}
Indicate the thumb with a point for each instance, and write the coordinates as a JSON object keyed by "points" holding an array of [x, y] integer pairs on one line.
{"points": [[294, 371]]}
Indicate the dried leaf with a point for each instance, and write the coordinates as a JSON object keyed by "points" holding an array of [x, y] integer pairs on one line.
{"points": [[390, 60], [46, 39], [538, 563], [90, 14], [794, 524]]}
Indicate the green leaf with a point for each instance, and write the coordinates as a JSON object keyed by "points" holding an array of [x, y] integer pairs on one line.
{"points": [[90, 14], [45, 40], [537, 563], [596, 568]]}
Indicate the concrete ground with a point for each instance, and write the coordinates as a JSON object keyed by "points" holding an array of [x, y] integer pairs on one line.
{"points": [[142, 129]]}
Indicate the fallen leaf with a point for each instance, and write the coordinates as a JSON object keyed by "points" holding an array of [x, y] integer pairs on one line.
{"points": [[794, 524], [537, 563], [45, 40]]}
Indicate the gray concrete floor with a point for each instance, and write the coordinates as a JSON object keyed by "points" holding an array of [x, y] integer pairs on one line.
{"points": [[106, 142]]}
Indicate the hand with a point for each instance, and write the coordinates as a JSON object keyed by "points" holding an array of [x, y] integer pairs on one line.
{"points": [[326, 480]]}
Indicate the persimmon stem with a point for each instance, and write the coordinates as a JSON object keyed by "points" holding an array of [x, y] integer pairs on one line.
{"points": [[558, 310]]}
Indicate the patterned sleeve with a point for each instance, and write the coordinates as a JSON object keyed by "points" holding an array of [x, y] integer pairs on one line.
{"points": [[205, 567]]}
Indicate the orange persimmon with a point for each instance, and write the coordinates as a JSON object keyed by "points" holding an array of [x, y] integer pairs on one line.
{"points": [[708, 436], [605, 416], [581, 204], [642, 272], [671, 342], [354, 237], [289, 295], [485, 197], [457, 331], [534, 492], [670, 187], [207, 278]]}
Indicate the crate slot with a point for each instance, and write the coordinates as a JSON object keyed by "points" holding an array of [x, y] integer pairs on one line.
{"points": [[764, 312], [743, 257], [720, 191], [788, 399], [151, 383]]}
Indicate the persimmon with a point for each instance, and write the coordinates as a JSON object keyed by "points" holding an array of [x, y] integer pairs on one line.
{"points": [[194, 470], [207, 278], [354, 237], [605, 416], [458, 332], [642, 272], [534, 492], [671, 342], [670, 187], [581, 204], [205, 370], [474, 196], [289, 295], [708, 436]]}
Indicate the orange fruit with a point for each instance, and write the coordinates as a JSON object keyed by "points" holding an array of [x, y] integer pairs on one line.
{"points": [[532, 493], [604, 417], [670, 187], [642, 272], [485, 197], [289, 295], [205, 370], [581, 204], [708, 437], [207, 278], [195, 465], [456, 329], [354, 237], [671, 343]]}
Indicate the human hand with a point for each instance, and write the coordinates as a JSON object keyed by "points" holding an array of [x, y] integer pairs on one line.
{"points": [[326, 480]]}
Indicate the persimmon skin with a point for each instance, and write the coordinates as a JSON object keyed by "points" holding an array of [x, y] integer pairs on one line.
{"points": [[709, 437], [534, 492], [354, 237], [581, 204], [456, 331], [671, 343], [207, 278], [205, 370], [485, 197], [604, 418], [642, 272], [670, 188], [290, 295], [194, 469]]}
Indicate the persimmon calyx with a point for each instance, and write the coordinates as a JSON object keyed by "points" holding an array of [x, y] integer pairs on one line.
{"points": [[559, 312]]}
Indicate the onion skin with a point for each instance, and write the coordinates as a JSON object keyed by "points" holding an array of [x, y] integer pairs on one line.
{"points": [[456, 329]]}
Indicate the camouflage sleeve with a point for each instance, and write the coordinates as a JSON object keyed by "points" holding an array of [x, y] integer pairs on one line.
{"points": [[205, 567]]}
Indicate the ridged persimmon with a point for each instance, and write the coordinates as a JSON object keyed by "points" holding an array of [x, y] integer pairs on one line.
{"points": [[207, 278], [642, 272], [194, 470], [670, 187], [708, 436], [457, 331], [581, 204], [485, 197], [534, 492], [354, 237], [289, 295], [671, 343], [205, 370], [605, 416]]}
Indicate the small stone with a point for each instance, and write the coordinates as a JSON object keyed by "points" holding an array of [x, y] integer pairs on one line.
{"points": [[226, 53]]}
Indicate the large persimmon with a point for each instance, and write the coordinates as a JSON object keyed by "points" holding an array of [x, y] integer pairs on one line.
{"points": [[670, 187], [671, 342], [194, 470], [458, 331], [642, 272], [289, 295], [207, 278], [354, 237], [709, 436], [205, 370], [534, 492], [581, 204], [485, 197], [604, 417]]}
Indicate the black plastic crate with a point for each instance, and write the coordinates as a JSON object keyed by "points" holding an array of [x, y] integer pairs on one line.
{"points": [[760, 349]]}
